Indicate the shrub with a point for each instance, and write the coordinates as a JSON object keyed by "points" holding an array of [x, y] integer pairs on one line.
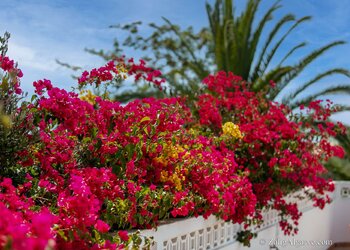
{"points": [[100, 168], [16, 125]]}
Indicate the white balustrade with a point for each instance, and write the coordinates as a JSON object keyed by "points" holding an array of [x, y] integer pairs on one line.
{"points": [[317, 229]]}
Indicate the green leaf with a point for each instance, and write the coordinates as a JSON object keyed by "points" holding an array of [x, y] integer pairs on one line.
{"points": [[145, 129], [146, 118], [86, 140], [130, 149], [34, 97]]}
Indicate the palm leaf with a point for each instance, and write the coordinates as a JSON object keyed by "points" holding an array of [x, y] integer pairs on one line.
{"points": [[216, 29], [275, 75], [266, 61], [303, 63], [244, 25], [291, 52], [315, 81], [342, 108], [287, 18], [340, 89]]}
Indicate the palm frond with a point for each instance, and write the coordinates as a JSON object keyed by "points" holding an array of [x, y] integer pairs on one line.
{"points": [[215, 21], [298, 68], [340, 89], [342, 108], [269, 56], [315, 80], [275, 75], [291, 52], [283, 21], [244, 26]]}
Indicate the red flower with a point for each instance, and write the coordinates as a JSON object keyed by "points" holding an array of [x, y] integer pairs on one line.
{"points": [[102, 226], [123, 235]]}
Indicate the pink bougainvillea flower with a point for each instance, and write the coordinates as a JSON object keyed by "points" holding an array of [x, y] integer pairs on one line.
{"points": [[123, 235]]}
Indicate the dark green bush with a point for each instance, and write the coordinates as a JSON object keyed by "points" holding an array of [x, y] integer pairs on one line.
{"points": [[17, 132]]}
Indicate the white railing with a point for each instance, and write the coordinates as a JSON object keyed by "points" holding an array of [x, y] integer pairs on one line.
{"points": [[194, 233], [318, 229]]}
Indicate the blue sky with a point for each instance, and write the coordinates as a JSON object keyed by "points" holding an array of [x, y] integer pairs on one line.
{"points": [[45, 30]]}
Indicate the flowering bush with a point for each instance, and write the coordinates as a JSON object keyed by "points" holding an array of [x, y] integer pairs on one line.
{"points": [[101, 168], [281, 152]]}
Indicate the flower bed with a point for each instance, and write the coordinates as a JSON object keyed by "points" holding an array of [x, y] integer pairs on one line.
{"points": [[99, 168]]}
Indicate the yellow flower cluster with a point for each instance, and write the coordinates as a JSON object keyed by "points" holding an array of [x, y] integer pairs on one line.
{"points": [[171, 151], [122, 71], [175, 178], [88, 96], [231, 129]]}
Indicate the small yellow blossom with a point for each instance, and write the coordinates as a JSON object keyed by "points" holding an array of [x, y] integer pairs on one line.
{"points": [[231, 129], [177, 181], [88, 96], [161, 160], [171, 153], [176, 178], [122, 71], [164, 176]]}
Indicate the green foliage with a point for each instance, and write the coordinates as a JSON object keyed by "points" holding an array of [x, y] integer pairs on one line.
{"points": [[245, 236], [16, 132], [340, 168], [182, 55], [4, 43]]}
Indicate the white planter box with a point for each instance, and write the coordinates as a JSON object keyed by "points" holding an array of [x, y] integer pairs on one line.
{"points": [[318, 229]]}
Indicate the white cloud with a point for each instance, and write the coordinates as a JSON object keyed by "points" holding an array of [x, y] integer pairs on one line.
{"points": [[343, 117], [43, 31], [29, 57]]}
